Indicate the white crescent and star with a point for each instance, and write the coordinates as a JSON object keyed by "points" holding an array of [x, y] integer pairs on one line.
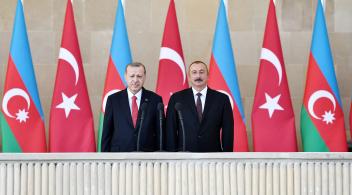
{"points": [[70, 59], [22, 115], [68, 104], [105, 99], [170, 54], [328, 116], [268, 55], [271, 104], [9, 95]]}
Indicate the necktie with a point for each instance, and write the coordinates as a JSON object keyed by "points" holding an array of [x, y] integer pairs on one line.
{"points": [[199, 107], [134, 110]]}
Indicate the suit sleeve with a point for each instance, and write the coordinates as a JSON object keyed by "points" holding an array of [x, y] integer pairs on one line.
{"points": [[157, 122], [171, 127], [108, 127], [227, 127]]}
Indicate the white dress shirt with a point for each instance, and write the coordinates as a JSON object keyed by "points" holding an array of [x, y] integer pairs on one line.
{"points": [[202, 97], [130, 95]]}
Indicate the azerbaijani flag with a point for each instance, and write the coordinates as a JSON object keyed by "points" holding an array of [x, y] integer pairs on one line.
{"points": [[223, 77], [22, 120], [322, 120], [120, 57]]}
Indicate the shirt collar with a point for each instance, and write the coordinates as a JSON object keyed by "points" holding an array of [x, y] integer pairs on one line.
{"points": [[138, 94], [203, 92]]}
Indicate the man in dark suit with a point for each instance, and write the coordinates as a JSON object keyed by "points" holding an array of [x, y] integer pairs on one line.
{"points": [[207, 116], [123, 115]]}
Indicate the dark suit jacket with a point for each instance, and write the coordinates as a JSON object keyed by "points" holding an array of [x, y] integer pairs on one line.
{"points": [[119, 135], [201, 136]]}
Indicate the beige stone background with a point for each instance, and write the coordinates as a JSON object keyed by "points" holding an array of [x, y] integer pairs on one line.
{"points": [[145, 23]]}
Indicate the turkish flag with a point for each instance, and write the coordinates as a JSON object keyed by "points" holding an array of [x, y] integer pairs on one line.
{"points": [[71, 119], [172, 75], [273, 121]]}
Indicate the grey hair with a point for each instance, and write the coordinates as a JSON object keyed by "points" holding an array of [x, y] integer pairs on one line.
{"points": [[136, 64]]}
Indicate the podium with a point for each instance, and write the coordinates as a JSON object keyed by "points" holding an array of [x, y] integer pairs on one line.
{"points": [[175, 173]]}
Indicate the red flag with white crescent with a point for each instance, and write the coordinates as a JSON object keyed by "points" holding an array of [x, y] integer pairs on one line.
{"points": [[21, 116], [172, 75], [273, 121], [71, 118]]}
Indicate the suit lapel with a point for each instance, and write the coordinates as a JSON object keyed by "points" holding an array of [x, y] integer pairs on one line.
{"points": [[191, 103], [126, 107], [208, 102]]}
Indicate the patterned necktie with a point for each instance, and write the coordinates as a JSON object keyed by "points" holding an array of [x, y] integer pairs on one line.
{"points": [[134, 110], [199, 107]]}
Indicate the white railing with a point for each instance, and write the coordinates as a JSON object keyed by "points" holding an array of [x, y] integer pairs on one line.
{"points": [[176, 174]]}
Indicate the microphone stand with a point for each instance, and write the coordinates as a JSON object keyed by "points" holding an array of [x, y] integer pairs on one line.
{"points": [[178, 107], [160, 110], [143, 107]]}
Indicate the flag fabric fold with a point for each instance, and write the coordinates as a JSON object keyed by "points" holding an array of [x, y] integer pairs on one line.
{"points": [[120, 57], [22, 119], [71, 119], [322, 119], [273, 120], [172, 74], [223, 76]]}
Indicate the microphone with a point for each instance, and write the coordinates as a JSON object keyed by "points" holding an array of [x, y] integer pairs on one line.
{"points": [[178, 107], [143, 108], [161, 112]]}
